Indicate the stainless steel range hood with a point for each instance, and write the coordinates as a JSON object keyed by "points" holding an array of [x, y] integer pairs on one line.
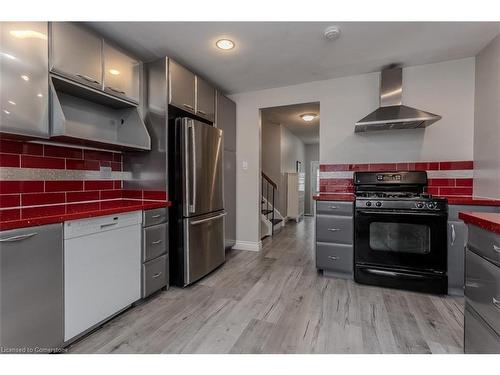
{"points": [[392, 114]]}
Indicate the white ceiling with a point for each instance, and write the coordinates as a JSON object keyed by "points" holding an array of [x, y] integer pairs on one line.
{"points": [[289, 116], [274, 54]]}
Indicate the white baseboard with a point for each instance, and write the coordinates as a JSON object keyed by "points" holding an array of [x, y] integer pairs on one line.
{"points": [[248, 245]]}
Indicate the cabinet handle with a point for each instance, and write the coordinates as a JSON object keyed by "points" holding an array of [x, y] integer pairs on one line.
{"points": [[331, 257], [18, 238], [107, 225], [155, 216], [453, 234], [496, 248], [202, 112], [117, 91], [87, 78], [333, 229], [156, 275], [188, 106], [496, 303], [333, 207], [156, 242]]}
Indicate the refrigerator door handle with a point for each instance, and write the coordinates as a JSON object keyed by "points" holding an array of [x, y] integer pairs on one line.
{"points": [[208, 219], [192, 205]]}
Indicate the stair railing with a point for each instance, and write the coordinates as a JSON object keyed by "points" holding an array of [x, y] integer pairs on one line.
{"points": [[269, 187]]}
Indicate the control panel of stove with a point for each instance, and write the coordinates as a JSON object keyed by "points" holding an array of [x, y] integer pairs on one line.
{"points": [[408, 204]]}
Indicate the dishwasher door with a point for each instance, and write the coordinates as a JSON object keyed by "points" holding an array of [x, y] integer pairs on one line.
{"points": [[31, 289], [102, 269]]}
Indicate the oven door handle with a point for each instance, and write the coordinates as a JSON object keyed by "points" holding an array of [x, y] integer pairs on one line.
{"points": [[399, 213], [393, 273]]}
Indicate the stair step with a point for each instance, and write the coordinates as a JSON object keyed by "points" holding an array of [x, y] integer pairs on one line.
{"points": [[276, 221], [265, 212]]}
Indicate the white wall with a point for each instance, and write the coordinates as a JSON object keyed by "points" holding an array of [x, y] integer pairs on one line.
{"points": [[312, 154], [271, 151], [487, 122], [445, 88], [292, 150]]}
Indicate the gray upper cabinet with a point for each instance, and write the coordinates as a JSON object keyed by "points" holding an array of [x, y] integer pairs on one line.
{"points": [[76, 53], [24, 79], [181, 85], [226, 120], [121, 73], [205, 99]]}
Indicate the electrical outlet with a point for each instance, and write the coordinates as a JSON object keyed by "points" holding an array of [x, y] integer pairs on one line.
{"points": [[105, 172]]}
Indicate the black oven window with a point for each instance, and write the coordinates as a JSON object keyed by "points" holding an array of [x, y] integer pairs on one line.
{"points": [[400, 237]]}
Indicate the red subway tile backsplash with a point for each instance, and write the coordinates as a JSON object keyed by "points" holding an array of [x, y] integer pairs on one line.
{"points": [[22, 154], [34, 199], [11, 187], [28, 161], [63, 152], [456, 165], [51, 186], [82, 165], [9, 160], [80, 196], [455, 191], [98, 185]]}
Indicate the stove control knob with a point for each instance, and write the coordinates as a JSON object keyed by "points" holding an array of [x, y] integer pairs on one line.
{"points": [[431, 205], [420, 205], [368, 204], [378, 204]]}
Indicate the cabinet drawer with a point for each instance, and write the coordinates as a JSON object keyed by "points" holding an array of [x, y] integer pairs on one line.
{"points": [[155, 241], [334, 208], [336, 229], [154, 275], [482, 288], [156, 216], [486, 243], [478, 337], [334, 257]]}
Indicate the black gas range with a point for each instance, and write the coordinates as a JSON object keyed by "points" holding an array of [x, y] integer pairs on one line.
{"points": [[400, 238]]}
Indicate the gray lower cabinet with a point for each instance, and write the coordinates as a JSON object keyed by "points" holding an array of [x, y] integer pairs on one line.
{"points": [[31, 289], [334, 238], [155, 264], [457, 238], [482, 292]]}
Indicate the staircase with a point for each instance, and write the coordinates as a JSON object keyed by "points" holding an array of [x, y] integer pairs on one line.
{"points": [[269, 215]]}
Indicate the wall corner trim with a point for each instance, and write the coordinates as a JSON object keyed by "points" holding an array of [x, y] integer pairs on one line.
{"points": [[248, 245]]}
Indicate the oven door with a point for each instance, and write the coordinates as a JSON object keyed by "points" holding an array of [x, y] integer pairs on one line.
{"points": [[401, 239]]}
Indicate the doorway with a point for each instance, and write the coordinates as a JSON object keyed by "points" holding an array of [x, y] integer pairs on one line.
{"points": [[289, 148]]}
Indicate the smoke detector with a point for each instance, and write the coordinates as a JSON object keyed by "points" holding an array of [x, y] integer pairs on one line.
{"points": [[332, 32]]}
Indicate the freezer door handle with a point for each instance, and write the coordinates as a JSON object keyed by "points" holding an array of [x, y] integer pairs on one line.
{"points": [[192, 206], [208, 219]]}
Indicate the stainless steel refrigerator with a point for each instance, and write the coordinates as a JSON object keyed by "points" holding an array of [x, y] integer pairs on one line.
{"points": [[196, 190]]}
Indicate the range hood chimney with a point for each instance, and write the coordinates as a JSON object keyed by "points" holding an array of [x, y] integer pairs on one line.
{"points": [[392, 114]]}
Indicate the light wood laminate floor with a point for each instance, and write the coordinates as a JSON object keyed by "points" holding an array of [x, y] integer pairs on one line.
{"points": [[275, 301]]}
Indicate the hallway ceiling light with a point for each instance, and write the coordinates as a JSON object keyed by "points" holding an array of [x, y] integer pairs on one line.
{"points": [[225, 44], [308, 117], [332, 32]]}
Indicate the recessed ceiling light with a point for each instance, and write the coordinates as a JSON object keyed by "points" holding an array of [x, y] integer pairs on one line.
{"points": [[332, 32], [114, 72], [11, 102], [24, 34], [308, 117], [225, 44], [25, 77]]}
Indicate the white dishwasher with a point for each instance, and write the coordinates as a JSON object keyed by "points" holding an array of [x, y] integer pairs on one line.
{"points": [[102, 269]]}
